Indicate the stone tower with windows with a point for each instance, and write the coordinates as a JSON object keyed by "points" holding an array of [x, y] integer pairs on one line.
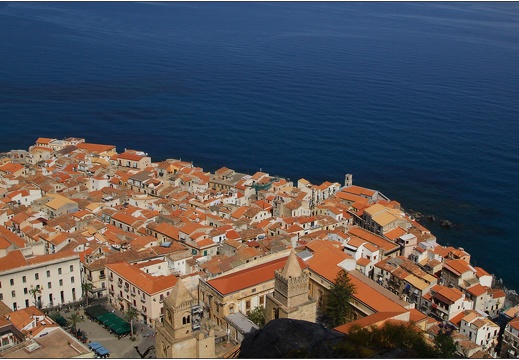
{"points": [[180, 336], [348, 180], [290, 298]]}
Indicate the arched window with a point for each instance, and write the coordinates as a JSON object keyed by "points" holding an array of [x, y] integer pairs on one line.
{"points": [[184, 320], [188, 319]]}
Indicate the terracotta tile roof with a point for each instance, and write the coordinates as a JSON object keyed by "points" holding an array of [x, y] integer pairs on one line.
{"points": [[191, 227], [363, 262], [443, 292], [498, 293], [239, 212], [247, 278], [124, 218], [477, 290], [13, 260], [130, 156], [4, 244], [11, 167], [52, 257], [458, 266], [358, 190], [43, 140], [356, 242], [40, 148], [416, 316], [382, 243], [22, 318], [167, 230], [96, 148], [58, 201], [206, 243], [144, 281], [12, 237], [456, 320], [374, 295], [514, 323], [395, 233], [325, 259], [481, 272], [375, 319]]}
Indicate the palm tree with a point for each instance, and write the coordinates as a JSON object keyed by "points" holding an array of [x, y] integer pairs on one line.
{"points": [[34, 291], [131, 314], [86, 287], [75, 318]]}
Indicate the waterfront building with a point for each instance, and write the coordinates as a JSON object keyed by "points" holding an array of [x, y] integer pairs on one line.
{"points": [[445, 303]]}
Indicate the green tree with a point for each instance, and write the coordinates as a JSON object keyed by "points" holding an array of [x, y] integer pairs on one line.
{"points": [[35, 291], [257, 316], [74, 319], [337, 300], [375, 341], [86, 288], [129, 316], [445, 346]]}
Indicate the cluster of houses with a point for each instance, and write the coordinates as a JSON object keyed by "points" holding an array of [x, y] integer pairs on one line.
{"points": [[80, 217]]}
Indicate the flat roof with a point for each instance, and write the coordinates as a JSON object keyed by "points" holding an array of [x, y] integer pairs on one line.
{"points": [[53, 345]]}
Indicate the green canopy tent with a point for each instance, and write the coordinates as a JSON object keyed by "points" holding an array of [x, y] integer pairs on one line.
{"points": [[122, 329], [61, 321], [114, 322], [103, 317], [95, 311]]}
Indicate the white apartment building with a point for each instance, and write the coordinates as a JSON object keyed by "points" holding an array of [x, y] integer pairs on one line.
{"points": [[56, 276], [480, 329]]}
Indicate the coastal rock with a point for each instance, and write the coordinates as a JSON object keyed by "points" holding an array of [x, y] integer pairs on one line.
{"points": [[288, 338]]}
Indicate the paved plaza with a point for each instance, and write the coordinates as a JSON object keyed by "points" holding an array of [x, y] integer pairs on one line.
{"points": [[119, 348]]}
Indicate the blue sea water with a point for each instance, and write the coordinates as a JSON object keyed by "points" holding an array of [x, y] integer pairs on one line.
{"points": [[419, 100]]}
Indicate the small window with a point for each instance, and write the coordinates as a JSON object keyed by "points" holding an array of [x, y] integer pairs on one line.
{"points": [[11, 281], [60, 282], [59, 271], [25, 291], [13, 293], [48, 273], [24, 279], [49, 285], [247, 304], [72, 280], [36, 276], [71, 268]]}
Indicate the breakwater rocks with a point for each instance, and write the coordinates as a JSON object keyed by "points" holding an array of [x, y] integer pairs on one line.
{"points": [[447, 224]]}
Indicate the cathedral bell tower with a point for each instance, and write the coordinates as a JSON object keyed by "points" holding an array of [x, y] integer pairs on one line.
{"points": [[180, 336], [290, 298]]}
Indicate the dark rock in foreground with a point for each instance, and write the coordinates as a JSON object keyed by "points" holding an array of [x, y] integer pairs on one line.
{"points": [[287, 338]]}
